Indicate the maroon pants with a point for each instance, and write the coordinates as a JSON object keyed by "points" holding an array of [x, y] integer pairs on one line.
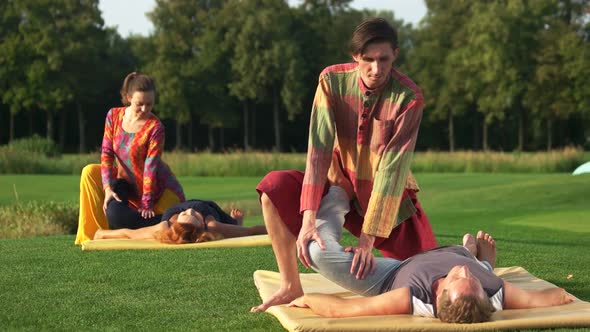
{"points": [[411, 237]]}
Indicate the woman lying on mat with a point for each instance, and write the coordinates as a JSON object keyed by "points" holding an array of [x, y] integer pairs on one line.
{"points": [[190, 221], [454, 283]]}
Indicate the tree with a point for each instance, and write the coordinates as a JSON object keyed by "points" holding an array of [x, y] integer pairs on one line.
{"points": [[561, 83], [13, 60], [99, 88], [82, 72], [331, 23], [496, 57], [53, 54], [217, 107], [176, 64], [264, 60], [435, 62]]}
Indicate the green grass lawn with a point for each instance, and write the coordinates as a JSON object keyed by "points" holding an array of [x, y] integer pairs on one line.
{"points": [[540, 221], [63, 188]]}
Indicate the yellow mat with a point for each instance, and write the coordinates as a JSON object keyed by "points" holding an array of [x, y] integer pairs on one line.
{"points": [[575, 314], [126, 244]]}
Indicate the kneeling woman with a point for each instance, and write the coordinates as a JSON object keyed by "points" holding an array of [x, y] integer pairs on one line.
{"points": [[189, 222]]}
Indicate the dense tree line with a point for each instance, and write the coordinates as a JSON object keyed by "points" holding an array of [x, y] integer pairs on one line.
{"points": [[503, 74]]}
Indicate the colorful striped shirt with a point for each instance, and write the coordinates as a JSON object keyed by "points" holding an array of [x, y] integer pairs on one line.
{"points": [[374, 133], [138, 158]]}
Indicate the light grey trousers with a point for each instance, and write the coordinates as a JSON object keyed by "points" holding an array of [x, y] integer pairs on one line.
{"points": [[334, 263]]}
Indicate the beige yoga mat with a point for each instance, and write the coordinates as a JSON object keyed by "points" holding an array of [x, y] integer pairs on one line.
{"points": [[576, 314], [126, 244]]}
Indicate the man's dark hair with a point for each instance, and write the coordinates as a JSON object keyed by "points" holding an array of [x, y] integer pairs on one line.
{"points": [[373, 30]]}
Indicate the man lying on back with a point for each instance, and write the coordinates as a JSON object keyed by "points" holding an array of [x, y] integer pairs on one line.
{"points": [[454, 283]]}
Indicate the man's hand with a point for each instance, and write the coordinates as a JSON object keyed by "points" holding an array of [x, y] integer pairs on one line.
{"points": [[109, 194], [363, 261], [147, 213], [308, 233]]}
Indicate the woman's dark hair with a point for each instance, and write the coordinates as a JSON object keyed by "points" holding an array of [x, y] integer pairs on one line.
{"points": [[373, 30], [136, 82]]}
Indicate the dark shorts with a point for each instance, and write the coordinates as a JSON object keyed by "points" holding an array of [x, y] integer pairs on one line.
{"points": [[411, 237]]}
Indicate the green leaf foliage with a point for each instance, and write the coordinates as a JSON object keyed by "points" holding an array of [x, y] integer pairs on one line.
{"points": [[501, 74]]}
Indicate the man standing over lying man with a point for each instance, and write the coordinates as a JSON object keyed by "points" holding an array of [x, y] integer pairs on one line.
{"points": [[363, 131]]}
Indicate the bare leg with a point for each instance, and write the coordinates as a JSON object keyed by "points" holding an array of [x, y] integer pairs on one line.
{"points": [[486, 248], [470, 244], [283, 245]]}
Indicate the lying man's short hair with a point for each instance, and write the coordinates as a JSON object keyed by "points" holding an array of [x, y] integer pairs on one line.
{"points": [[465, 309]]}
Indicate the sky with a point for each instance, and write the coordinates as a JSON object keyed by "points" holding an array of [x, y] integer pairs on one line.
{"points": [[129, 15]]}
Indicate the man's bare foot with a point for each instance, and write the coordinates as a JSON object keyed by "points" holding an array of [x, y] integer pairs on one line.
{"points": [[238, 215], [282, 296], [469, 243], [486, 248]]}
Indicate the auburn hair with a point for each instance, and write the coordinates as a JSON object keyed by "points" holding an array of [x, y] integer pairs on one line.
{"points": [[179, 233]]}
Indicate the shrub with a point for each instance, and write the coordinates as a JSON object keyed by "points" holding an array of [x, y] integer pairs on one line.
{"points": [[38, 219], [565, 160], [34, 145], [259, 163], [232, 164], [13, 162]]}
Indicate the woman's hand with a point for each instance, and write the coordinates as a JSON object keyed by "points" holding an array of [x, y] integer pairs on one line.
{"points": [[109, 194], [146, 213]]}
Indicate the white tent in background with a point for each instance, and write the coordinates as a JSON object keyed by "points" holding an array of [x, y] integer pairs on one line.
{"points": [[584, 168]]}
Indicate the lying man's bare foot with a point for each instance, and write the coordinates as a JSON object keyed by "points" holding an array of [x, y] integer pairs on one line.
{"points": [[282, 296], [469, 243], [486, 248], [238, 215]]}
